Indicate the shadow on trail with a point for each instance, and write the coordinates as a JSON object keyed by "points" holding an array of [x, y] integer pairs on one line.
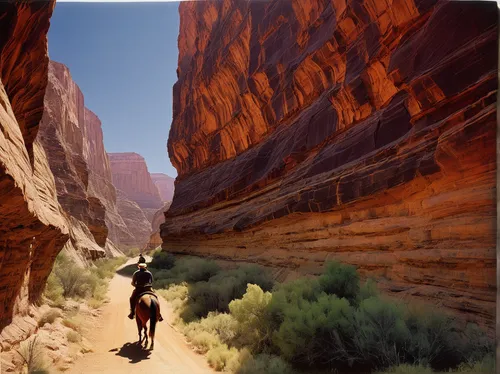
{"points": [[127, 271], [133, 351]]}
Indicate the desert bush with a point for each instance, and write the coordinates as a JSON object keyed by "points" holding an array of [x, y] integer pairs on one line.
{"points": [[224, 358], [381, 332], [205, 341], [31, 352], [73, 336], [216, 293], [485, 365], [49, 316], [162, 260], [407, 369], [54, 291], [105, 268], [316, 332], [221, 325], [73, 323], [264, 363], [340, 280], [252, 314]]}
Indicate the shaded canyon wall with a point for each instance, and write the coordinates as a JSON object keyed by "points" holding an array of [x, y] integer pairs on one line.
{"points": [[138, 197], [364, 132], [33, 227]]}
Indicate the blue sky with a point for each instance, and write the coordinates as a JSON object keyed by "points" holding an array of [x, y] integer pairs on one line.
{"points": [[124, 59]]}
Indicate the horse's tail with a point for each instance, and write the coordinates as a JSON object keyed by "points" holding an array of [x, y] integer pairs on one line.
{"points": [[153, 316]]}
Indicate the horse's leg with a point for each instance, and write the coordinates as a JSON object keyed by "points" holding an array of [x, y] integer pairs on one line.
{"points": [[139, 326], [145, 335]]}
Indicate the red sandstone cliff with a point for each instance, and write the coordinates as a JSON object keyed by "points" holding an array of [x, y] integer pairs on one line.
{"points": [[33, 228], [131, 175], [63, 133], [165, 185], [312, 130]]}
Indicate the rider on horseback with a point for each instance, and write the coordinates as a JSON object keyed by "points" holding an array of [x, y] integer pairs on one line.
{"points": [[142, 280]]}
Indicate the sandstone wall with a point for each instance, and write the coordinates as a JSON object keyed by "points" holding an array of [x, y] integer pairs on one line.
{"points": [[165, 185], [131, 175], [305, 131], [33, 229], [63, 133], [138, 225]]}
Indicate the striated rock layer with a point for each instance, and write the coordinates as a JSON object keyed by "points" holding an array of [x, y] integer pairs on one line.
{"points": [[33, 228], [138, 225], [101, 183], [131, 175], [307, 131], [165, 185], [64, 135], [155, 240]]}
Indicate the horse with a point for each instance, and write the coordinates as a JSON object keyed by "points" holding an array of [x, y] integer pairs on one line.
{"points": [[147, 308]]}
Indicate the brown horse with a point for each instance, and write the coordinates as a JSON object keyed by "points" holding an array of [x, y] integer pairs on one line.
{"points": [[147, 308]]}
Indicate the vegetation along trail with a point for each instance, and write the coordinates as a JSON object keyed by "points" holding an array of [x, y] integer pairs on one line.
{"points": [[114, 341]]}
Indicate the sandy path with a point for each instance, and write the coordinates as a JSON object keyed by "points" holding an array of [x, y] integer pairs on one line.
{"points": [[114, 337]]}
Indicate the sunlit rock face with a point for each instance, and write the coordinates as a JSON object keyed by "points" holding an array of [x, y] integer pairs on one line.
{"points": [[63, 133], [131, 175], [165, 185], [33, 228], [364, 132], [138, 225], [159, 218]]}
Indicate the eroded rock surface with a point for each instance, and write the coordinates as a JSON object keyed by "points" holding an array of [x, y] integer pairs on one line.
{"points": [[131, 175], [136, 221], [307, 131], [63, 133], [159, 218], [165, 185], [33, 228]]}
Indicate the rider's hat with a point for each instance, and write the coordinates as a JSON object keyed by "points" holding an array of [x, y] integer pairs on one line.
{"points": [[142, 265]]}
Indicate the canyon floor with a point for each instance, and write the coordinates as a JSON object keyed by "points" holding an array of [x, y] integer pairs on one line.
{"points": [[114, 338]]}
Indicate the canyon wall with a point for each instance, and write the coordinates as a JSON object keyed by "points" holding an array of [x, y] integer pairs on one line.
{"points": [[64, 135], [131, 176], [155, 240], [165, 185], [33, 226], [364, 132]]}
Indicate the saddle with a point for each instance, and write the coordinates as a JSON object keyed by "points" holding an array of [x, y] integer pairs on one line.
{"points": [[147, 292]]}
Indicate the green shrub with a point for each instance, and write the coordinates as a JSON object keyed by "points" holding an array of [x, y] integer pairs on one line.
{"points": [[106, 268], [407, 369], [73, 336], [485, 365], [252, 314], [316, 332], [381, 332], [162, 260], [49, 317], [54, 291], [340, 280], [222, 357], [221, 325], [31, 352], [216, 293], [433, 337], [265, 363]]}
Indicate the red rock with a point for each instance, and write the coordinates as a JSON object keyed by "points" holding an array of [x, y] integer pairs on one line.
{"points": [[165, 185], [131, 175], [33, 228], [136, 221], [63, 132], [155, 240], [305, 131]]}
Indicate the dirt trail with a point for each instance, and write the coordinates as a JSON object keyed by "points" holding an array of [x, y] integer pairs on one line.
{"points": [[114, 338]]}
